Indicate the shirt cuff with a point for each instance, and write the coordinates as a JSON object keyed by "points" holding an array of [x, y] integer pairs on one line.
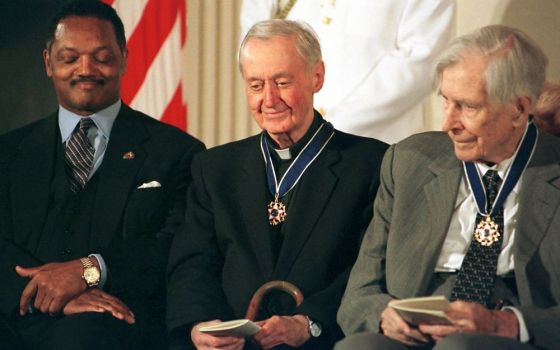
{"points": [[523, 331], [102, 269]]}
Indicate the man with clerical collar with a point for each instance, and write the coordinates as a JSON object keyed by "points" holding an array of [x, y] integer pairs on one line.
{"points": [[89, 199], [471, 215], [290, 203]]}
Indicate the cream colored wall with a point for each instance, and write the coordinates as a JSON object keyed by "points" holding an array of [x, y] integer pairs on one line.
{"points": [[214, 90], [217, 109]]}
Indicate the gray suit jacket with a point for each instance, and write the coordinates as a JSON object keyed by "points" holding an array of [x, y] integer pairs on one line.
{"points": [[420, 177]]}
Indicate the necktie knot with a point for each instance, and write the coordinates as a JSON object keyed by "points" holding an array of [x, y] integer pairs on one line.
{"points": [[85, 124], [492, 182]]}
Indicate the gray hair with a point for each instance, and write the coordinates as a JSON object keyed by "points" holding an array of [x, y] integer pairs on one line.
{"points": [[517, 65], [305, 38]]}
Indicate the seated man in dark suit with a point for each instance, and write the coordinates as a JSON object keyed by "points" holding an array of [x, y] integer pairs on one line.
{"points": [[471, 215], [89, 200], [290, 203]]}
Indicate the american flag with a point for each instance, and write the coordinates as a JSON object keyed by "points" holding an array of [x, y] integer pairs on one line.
{"points": [[156, 32]]}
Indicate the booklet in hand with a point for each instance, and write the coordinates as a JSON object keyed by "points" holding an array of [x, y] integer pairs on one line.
{"points": [[428, 310], [238, 328]]}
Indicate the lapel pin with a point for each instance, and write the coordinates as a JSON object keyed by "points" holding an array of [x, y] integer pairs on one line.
{"points": [[128, 155]]}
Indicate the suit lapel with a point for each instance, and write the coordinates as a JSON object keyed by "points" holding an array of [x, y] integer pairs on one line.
{"points": [[441, 196], [254, 198], [33, 172], [117, 174], [313, 193], [539, 200]]}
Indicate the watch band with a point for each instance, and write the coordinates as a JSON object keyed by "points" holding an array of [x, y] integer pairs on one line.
{"points": [[91, 273], [86, 262]]}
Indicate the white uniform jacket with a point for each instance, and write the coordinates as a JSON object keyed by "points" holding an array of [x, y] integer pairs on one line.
{"points": [[378, 56]]}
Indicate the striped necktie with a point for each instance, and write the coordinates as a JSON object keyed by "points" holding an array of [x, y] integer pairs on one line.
{"points": [[79, 155]]}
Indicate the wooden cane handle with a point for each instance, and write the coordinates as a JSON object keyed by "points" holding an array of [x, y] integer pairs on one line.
{"points": [[284, 286]]}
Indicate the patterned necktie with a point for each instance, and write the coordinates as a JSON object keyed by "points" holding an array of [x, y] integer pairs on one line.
{"points": [[79, 155], [475, 281]]}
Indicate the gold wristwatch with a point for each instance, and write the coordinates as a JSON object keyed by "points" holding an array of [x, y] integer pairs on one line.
{"points": [[91, 273]]}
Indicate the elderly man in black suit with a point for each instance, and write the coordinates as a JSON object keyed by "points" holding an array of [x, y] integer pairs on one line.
{"points": [[89, 200], [288, 204]]}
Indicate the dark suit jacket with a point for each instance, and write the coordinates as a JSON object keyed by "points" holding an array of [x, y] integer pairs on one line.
{"points": [[226, 252], [420, 179], [132, 228]]}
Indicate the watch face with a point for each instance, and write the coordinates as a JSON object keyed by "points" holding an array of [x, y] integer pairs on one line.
{"points": [[315, 329], [91, 275]]}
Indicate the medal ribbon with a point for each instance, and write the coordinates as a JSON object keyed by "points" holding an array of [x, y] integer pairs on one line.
{"points": [[304, 159], [512, 176]]}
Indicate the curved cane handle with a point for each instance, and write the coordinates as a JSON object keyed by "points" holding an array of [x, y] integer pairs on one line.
{"points": [[284, 286]]}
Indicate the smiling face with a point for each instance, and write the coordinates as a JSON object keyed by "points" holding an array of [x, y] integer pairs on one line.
{"points": [[280, 87], [481, 129], [85, 64]]}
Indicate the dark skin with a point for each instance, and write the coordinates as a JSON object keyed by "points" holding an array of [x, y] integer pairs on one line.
{"points": [[86, 65]]}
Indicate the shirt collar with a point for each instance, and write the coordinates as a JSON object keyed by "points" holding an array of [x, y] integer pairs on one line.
{"points": [[103, 120], [501, 167]]}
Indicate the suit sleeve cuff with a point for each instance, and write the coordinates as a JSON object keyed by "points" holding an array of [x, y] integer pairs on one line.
{"points": [[102, 269], [523, 331]]}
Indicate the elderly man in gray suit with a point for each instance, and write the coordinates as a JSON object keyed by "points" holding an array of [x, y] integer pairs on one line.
{"points": [[472, 215]]}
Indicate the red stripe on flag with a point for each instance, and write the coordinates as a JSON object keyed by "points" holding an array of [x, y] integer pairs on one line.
{"points": [[109, 2], [145, 42], [183, 17], [176, 111]]}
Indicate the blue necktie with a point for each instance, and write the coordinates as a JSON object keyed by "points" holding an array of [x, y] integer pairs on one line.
{"points": [[475, 281]]}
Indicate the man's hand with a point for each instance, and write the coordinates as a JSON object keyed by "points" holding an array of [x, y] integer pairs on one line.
{"points": [[475, 318], [203, 341], [291, 330], [394, 327], [96, 300], [52, 285]]}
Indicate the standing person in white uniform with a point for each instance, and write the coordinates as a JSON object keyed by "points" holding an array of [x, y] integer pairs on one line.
{"points": [[378, 56]]}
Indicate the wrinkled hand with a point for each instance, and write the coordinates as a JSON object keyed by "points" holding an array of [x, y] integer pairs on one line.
{"points": [[475, 318], [203, 341], [52, 285], [394, 327], [96, 300], [291, 330]]}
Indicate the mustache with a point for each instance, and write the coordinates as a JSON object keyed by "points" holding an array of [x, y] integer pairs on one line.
{"points": [[87, 80]]}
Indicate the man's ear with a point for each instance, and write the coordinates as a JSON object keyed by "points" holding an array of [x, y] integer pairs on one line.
{"points": [[47, 60], [318, 76], [125, 60], [523, 109]]}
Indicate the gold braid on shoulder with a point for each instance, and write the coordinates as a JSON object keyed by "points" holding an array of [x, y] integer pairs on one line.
{"points": [[282, 11]]}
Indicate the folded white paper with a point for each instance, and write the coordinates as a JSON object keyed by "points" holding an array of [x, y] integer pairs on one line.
{"points": [[239, 328]]}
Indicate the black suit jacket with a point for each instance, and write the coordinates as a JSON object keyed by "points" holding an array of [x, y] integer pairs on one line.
{"points": [[226, 252], [132, 227]]}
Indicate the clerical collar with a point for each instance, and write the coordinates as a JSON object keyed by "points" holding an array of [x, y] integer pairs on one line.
{"points": [[293, 151]]}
